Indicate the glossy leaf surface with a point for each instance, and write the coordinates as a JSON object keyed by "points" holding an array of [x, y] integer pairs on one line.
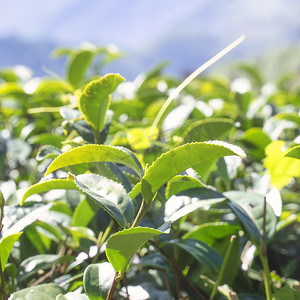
{"points": [[110, 195]]}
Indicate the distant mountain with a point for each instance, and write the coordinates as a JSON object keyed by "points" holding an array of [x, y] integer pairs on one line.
{"points": [[148, 31]]}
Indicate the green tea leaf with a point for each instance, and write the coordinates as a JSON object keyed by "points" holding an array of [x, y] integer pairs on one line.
{"points": [[97, 280], [78, 65], [47, 291], [210, 232], [181, 158], [95, 99], [84, 212], [293, 152], [249, 210], [281, 166], [110, 195], [258, 141], [180, 183], [208, 129], [96, 153], [6, 245], [48, 185], [287, 292], [53, 86], [123, 245], [204, 254], [2, 200]]}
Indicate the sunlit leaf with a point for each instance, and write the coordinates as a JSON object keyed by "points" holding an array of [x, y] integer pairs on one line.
{"points": [[110, 195], [179, 159], [93, 154], [48, 185], [6, 246], [95, 99], [281, 166], [208, 129]]}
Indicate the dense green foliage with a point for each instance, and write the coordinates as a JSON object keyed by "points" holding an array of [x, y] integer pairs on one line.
{"points": [[100, 204]]}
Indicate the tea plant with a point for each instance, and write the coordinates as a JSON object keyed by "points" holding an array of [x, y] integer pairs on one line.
{"points": [[110, 194]]}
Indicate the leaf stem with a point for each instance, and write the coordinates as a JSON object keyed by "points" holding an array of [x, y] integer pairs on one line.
{"points": [[264, 257], [113, 287], [143, 209], [96, 137], [2, 282], [224, 266], [167, 284]]}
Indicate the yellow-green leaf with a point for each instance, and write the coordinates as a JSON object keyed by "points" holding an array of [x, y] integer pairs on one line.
{"points": [[45, 186], [96, 153], [95, 99]]}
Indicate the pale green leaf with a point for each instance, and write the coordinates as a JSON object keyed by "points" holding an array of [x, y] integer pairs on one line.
{"points": [[48, 185], [84, 213], [96, 153], [283, 167], [6, 245], [78, 65]]}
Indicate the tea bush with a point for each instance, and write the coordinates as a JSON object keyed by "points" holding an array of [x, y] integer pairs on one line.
{"points": [[100, 202]]}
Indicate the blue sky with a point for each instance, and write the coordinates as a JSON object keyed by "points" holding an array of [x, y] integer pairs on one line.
{"points": [[155, 30]]}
